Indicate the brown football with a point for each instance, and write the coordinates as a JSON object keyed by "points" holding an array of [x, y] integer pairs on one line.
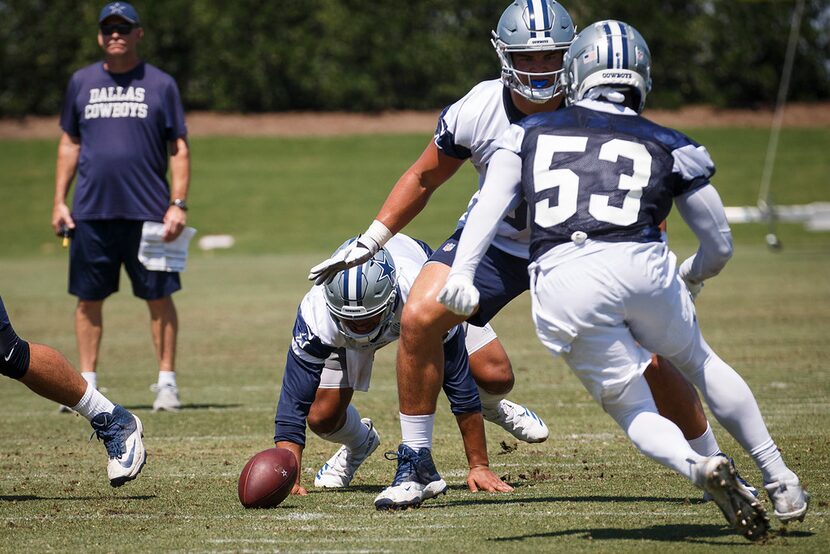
{"points": [[267, 478]]}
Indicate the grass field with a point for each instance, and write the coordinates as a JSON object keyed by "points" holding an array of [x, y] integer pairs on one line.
{"points": [[289, 202]]}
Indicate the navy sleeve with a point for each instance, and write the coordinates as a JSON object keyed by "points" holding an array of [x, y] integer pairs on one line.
{"points": [[299, 386], [459, 385], [69, 115], [174, 113], [303, 368]]}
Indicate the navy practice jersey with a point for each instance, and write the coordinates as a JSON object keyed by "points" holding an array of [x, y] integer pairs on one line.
{"points": [[607, 173], [125, 122]]}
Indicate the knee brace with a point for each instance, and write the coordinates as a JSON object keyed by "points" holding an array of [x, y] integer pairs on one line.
{"points": [[14, 352]]}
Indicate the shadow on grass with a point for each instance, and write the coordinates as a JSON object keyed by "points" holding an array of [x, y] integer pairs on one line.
{"points": [[34, 497], [186, 407], [489, 498], [695, 533]]}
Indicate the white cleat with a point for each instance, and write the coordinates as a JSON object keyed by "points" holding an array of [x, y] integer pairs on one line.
{"points": [[517, 420], [790, 500], [167, 398], [339, 470], [743, 511], [121, 432]]}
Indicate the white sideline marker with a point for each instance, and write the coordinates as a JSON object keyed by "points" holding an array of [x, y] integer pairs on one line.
{"points": [[213, 242]]}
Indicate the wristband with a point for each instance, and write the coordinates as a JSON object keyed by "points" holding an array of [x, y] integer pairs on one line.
{"points": [[378, 232]]}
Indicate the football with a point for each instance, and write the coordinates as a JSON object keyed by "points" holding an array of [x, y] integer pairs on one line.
{"points": [[267, 478]]}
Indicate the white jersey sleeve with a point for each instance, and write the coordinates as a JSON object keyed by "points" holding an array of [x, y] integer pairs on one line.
{"points": [[469, 129]]}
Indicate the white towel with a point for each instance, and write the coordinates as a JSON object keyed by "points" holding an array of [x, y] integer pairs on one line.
{"points": [[157, 255]]}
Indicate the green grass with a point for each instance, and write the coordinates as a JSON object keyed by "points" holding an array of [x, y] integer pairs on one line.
{"points": [[290, 201]]}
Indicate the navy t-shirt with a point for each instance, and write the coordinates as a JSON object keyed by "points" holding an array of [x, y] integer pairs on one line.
{"points": [[125, 122]]}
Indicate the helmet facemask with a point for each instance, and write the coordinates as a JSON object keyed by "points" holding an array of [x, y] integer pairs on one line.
{"points": [[528, 26]]}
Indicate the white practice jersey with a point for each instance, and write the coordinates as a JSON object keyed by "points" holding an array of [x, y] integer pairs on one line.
{"points": [[316, 337], [468, 129]]}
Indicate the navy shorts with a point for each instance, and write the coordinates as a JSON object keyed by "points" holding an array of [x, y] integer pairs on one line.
{"points": [[500, 278], [96, 253]]}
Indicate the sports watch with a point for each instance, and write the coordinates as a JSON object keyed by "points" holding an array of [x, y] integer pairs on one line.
{"points": [[179, 203]]}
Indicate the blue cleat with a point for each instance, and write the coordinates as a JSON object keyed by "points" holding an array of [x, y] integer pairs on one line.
{"points": [[416, 480], [121, 432]]}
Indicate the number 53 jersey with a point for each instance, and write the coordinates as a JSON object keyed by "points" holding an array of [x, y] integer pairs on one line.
{"points": [[602, 172]]}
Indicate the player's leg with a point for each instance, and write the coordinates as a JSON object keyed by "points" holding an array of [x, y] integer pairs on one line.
{"points": [[678, 338], [332, 417], [493, 374], [156, 288], [46, 372], [89, 328], [579, 313]]}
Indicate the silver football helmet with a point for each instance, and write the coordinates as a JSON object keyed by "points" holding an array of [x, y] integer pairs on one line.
{"points": [[532, 26], [364, 295], [608, 53]]}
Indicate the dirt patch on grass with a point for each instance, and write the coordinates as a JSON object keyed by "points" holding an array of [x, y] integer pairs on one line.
{"points": [[292, 124]]}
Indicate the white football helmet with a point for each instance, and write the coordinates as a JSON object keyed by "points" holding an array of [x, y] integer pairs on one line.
{"points": [[608, 53], [362, 293], [532, 26]]}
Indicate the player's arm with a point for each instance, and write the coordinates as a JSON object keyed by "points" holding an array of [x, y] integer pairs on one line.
{"points": [[702, 210], [297, 450], [175, 218], [407, 199], [69, 152], [303, 367], [411, 193], [462, 393], [500, 193]]}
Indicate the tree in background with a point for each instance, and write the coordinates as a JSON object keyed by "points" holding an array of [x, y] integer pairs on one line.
{"points": [[353, 55]]}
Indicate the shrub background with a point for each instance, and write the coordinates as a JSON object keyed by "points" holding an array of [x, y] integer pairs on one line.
{"points": [[352, 55]]}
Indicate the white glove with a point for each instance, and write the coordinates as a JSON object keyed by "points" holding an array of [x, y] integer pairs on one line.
{"points": [[354, 254], [694, 288], [459, 295]]}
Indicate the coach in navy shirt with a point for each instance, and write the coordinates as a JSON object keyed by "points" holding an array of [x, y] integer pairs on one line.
{"points": [[122, 121]]}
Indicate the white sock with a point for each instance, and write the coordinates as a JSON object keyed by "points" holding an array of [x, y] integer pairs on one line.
{"points": [[353, 434], [653, 435], [93, 403], [769, 461], [167, 378], [90, 377], [416, 430], [706, 444], [490, 402]]}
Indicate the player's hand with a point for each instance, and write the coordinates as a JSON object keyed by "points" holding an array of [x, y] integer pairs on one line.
{"points": [[62, 219], [352, 255], [459, 295], [299, 490], [482, 479], [694, 289], [174, 222]]}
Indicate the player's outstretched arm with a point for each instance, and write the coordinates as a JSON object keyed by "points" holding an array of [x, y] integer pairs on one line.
{"points": [[297, 450], [480, 477], [406, 200]]}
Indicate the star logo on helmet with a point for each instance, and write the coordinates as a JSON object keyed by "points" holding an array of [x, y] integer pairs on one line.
{"points": [[387, 270]]}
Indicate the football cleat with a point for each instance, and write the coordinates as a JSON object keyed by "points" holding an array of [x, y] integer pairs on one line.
{"points": [[743, 511], [121, 432], [415, 480], [167, 398], [339, 470], [517, 420], [741, 481], [790, 500]]}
